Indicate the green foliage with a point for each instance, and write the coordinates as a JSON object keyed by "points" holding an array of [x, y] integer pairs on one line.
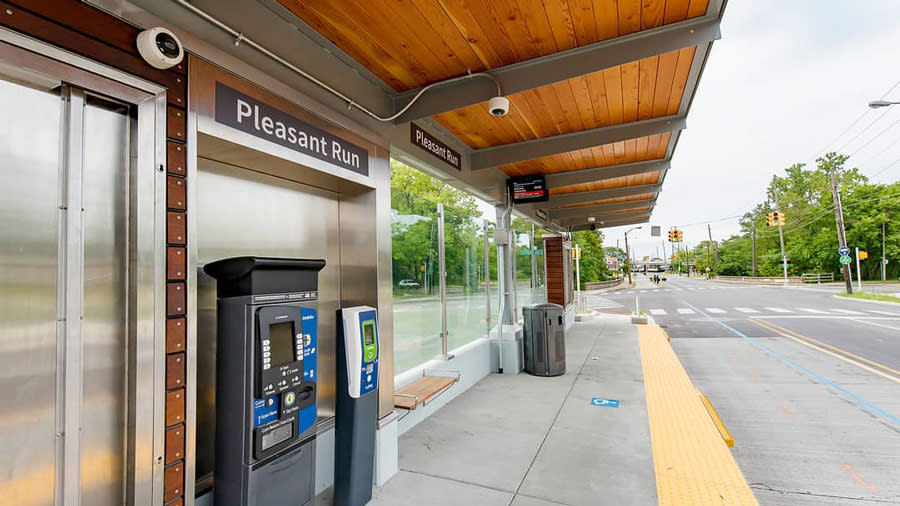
{"points": [[593, 266], [883, 297], [810, 236]]}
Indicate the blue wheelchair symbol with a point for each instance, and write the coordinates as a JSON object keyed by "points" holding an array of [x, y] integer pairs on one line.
{"points": [[606, 403]]}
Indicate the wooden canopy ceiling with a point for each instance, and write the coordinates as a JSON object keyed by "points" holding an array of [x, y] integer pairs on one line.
{"points": [[412, 43]]}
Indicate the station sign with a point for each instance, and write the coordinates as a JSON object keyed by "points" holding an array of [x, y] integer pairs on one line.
{"points": [[434, 147], [528, 189], [540, 213], [249, 115]]}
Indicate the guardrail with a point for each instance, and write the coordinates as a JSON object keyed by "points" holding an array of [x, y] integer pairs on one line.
{"points": [[818, 277], [779, 280], [599, 285]]}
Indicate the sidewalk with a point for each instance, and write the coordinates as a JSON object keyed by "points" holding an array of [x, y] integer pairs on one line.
{"points": [[532, 441]]}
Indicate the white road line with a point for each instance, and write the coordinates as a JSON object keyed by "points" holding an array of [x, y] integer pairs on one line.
{"points": [[779, 310], [814, 311], [746, 310], [883, 312], [715, 310], [658, 312], [684, 310], [845, 311], [876, 324]]}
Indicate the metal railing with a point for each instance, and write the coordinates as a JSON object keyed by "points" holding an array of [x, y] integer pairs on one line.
{"points": [[775, 280], [599, 285]]}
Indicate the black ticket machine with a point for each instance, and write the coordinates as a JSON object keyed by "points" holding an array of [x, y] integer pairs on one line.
{"points": [[265, 380]]}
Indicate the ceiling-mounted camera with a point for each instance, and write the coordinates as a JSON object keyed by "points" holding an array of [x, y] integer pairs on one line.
{"points": [[498, 106], [160, 48]]}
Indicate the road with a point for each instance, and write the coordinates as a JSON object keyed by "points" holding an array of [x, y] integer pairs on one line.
{"points": [[808, 384]]}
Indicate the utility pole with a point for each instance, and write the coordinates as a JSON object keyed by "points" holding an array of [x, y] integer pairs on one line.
{"points": [[708, 244], [781, 240], [883, 257], [858, 271], [627, 259], [753, 271], [839, 223]]}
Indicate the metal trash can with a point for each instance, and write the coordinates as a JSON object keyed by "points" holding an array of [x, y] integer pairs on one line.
{"points": [[544, 339]]}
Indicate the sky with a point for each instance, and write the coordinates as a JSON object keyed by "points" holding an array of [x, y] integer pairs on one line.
{"points": [[782, 85]]}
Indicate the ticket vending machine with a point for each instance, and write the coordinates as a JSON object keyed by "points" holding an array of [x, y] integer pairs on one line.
{"points": [[265, 380], [357, 405]]}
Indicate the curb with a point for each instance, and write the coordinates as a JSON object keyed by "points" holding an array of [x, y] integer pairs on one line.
{"points": [[882, 302]]}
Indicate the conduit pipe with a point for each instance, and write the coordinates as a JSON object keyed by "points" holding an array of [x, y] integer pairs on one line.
{"points": [[240, 38]]}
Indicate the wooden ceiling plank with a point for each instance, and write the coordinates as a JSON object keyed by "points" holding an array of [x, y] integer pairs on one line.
{"points": [[561, 23], [585, 101], [612, 79], [494, 25], [641, 148], [344, 33], [629, 16], [675, 11], [682, 70], [582, 14], [429, 49], [652, 13], [571, 107], [665, 76], [538, 25], [647, 86], [631, 149], [440, 22], [606, 19], [697, 8], [516, 27], [467, 25], [597, 87], [630, 86]]}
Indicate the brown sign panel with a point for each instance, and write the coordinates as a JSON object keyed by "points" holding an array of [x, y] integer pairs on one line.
{"points": [[262, 120], [434, 147]]}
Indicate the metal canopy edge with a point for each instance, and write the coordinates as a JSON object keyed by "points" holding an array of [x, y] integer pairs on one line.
{"points": [[571, 177], [599, 209]]}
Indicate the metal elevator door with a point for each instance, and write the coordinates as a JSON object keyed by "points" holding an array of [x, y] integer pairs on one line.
{"points": [[64, 175]]}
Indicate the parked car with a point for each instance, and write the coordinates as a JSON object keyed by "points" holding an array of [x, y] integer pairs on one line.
{"points": [[408, 283]]}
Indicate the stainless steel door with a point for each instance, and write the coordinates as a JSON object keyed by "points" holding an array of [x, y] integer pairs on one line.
{"points": [[64, 177], [105, 229], [29, 182]]}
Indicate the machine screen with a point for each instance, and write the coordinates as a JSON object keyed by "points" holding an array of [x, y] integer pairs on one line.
{"points": [[282, 337], [369, 331]]}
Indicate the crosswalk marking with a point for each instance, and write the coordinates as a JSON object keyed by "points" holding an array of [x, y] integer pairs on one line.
{"points": [[684, 310], [746, 310], [779, 310], [715, 310], [847, 311], [814, 311], [658, 312]]}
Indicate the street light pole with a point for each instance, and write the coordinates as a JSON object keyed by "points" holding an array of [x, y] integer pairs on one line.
{"points": [[883, 257], [628, 254]]}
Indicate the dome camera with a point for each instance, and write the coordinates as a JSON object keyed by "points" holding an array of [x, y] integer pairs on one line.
{"points": [[160, 48], [498, 106]]}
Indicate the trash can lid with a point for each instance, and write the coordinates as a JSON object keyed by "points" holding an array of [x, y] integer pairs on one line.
{"points": [[544, 305]]}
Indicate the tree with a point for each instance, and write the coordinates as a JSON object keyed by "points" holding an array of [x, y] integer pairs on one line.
{"points": [[593, 263]]}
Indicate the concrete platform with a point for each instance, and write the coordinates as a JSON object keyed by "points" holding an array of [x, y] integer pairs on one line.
{"points": [[532, 441]]}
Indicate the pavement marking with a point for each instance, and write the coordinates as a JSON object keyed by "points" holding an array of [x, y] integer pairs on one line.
{"points": [[715, 310], [860, 320], [746, 310], [809, 310], [692, 463], [829, 317], [862, 401], [684, 310], [857, 476], [779, 310], [845, 311], [883, 312], [820, 346], [659, 312]]}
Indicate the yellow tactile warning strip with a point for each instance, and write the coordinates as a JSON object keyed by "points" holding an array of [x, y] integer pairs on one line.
{"points": [[692, 464]]}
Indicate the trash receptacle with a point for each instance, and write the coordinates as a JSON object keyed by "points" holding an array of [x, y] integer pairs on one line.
{"points": [[544, 339]]}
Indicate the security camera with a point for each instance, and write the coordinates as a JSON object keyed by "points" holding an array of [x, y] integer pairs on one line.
{"points": [[593, 227], [160, 48], [498, 106]]}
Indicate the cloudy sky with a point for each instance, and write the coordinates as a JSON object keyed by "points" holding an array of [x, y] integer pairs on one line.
{"points": [[781, 86]]}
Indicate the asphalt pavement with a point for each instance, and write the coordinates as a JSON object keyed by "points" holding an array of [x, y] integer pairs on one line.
{"points": [[808, 383]]}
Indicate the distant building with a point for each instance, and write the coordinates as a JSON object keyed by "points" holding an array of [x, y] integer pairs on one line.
{"points": [[612, 262]]}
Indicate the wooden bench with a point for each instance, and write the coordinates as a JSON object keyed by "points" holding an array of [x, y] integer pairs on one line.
{"points": [[419, 392]]}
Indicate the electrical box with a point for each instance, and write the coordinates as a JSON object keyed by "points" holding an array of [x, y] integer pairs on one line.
{"points": [[266, 380]]}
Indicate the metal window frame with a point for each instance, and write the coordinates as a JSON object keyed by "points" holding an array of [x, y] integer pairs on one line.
{"points": [[144, 445]]}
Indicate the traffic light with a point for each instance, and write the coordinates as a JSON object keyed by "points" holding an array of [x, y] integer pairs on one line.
{"points": [[779, 218], [671, 236], [770, 220], [679, 235]]}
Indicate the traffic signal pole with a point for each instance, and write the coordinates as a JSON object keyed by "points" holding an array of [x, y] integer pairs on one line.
{"points": [[781, 239], [753, 271], [839, 223]]}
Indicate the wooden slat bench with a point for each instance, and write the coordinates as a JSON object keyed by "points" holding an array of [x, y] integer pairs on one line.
{"points": [[419, 392]]}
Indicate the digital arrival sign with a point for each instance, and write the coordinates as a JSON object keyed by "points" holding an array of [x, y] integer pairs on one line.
{"points": [[247, 114]]}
